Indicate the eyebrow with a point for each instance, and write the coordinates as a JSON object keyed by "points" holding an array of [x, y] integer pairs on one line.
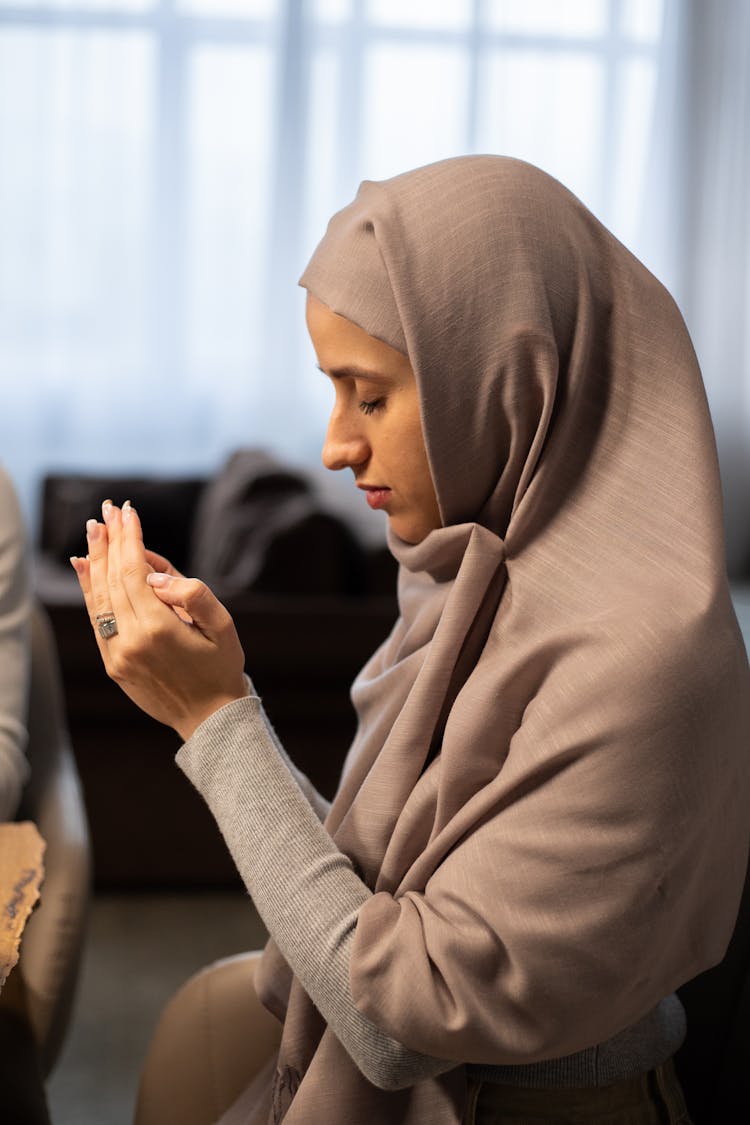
{"points": [[355, 371]]}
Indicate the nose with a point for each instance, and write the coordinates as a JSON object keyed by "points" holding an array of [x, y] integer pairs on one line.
{"points": [[345, 446]]}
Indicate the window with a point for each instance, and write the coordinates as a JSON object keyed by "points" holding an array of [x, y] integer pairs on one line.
{"points": [[166, 167]]}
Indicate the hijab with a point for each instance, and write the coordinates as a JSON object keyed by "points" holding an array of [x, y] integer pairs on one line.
{"points": [[548, 787]]}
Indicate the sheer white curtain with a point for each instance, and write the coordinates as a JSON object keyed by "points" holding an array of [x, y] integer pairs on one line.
{"points": [[166, 167], [696, 233]]}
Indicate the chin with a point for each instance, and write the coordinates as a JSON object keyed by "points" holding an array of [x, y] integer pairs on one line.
{"points": [[408, 532]]}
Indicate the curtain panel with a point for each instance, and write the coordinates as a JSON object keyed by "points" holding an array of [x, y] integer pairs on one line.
{"points": [[167, 166]]}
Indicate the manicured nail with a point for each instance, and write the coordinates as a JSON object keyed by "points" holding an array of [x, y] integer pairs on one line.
{"points": [[126, 511], [74, 560], [157, 578], [107, 510], [92, 529]]}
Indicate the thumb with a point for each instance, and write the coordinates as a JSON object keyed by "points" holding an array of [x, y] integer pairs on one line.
{"points": [[194, 598]]}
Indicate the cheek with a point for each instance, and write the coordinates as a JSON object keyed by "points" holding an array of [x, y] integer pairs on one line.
{"points": [[416, 463]]}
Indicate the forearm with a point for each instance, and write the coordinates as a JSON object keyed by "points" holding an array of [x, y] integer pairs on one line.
{"points": [[304, 888], [319, 803]]}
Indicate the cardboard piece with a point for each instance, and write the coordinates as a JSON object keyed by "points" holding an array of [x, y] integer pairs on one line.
{"points": [[21, 874]]}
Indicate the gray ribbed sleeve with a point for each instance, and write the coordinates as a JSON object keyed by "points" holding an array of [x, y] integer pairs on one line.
{"points": [[15, 648], [304, 888], [316, 799]]}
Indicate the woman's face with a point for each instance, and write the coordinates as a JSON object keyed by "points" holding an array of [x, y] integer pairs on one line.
{"points": [[375, 427]]}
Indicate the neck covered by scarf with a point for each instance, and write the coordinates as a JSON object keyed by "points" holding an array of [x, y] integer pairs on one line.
{"points": [[548, 787]]}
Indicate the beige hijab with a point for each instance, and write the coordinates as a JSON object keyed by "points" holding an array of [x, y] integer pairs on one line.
{"points": [[548, 789]]}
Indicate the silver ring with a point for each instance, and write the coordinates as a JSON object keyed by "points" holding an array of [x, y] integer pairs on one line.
{"points": [[106, 623]]}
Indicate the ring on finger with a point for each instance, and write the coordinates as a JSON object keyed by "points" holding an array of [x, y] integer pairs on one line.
{"points": [[106, 623]]}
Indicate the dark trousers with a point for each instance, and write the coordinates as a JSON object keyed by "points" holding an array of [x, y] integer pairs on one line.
{"points": [[650, 1099]]}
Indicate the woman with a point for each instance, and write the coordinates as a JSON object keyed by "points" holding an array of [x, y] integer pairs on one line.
{"points": [[525, 856], [21, 1080]]}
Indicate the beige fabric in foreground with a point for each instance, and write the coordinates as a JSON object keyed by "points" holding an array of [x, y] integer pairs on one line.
{"points": [[309, 898], [21, 875], [576, 849]]}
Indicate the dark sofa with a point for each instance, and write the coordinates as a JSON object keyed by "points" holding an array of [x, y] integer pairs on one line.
{"points": [[311, 586], [303, 567]]}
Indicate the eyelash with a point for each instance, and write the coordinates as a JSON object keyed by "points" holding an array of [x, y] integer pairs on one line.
{"points": [[372, 406]]}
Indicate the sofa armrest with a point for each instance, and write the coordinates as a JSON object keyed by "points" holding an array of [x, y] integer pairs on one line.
{"points": [[51, 951]]}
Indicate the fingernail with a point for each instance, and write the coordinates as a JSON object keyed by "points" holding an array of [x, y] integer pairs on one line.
{"points": [[156, 578], [107, 510], [74, 562], [126, 511], [92, 529]]}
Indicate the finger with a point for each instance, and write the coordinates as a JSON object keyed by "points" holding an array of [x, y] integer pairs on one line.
{"points": [[119, 596], [96, 537], [164, 566], [82, 568], [193, 596], [133, 564]]}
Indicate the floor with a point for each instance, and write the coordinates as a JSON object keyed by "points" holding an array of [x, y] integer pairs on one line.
{"points": [[140, 948]]}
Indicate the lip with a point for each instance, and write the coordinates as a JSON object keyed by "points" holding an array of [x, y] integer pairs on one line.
{"points": [[377, 496]]}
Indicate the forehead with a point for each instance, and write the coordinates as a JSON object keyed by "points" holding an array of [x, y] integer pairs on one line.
{"points": [[342, 347]]}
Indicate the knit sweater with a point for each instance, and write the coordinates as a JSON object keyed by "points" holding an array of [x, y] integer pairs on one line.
{"points": [[14, 649]]}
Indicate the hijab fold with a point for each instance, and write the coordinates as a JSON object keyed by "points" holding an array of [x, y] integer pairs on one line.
{"points": [[547, 791]]}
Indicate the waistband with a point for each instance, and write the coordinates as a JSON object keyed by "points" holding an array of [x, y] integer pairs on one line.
{"points": [[657, 1093], [637, 1049]]}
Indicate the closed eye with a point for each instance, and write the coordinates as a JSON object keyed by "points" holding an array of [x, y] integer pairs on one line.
{"points": [[372, 406]]}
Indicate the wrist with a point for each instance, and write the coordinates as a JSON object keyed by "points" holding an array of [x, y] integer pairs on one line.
{"points": [[187, 726]]}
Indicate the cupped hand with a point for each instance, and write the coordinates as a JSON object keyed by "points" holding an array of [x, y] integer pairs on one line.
{"points": [[176, 652]]}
